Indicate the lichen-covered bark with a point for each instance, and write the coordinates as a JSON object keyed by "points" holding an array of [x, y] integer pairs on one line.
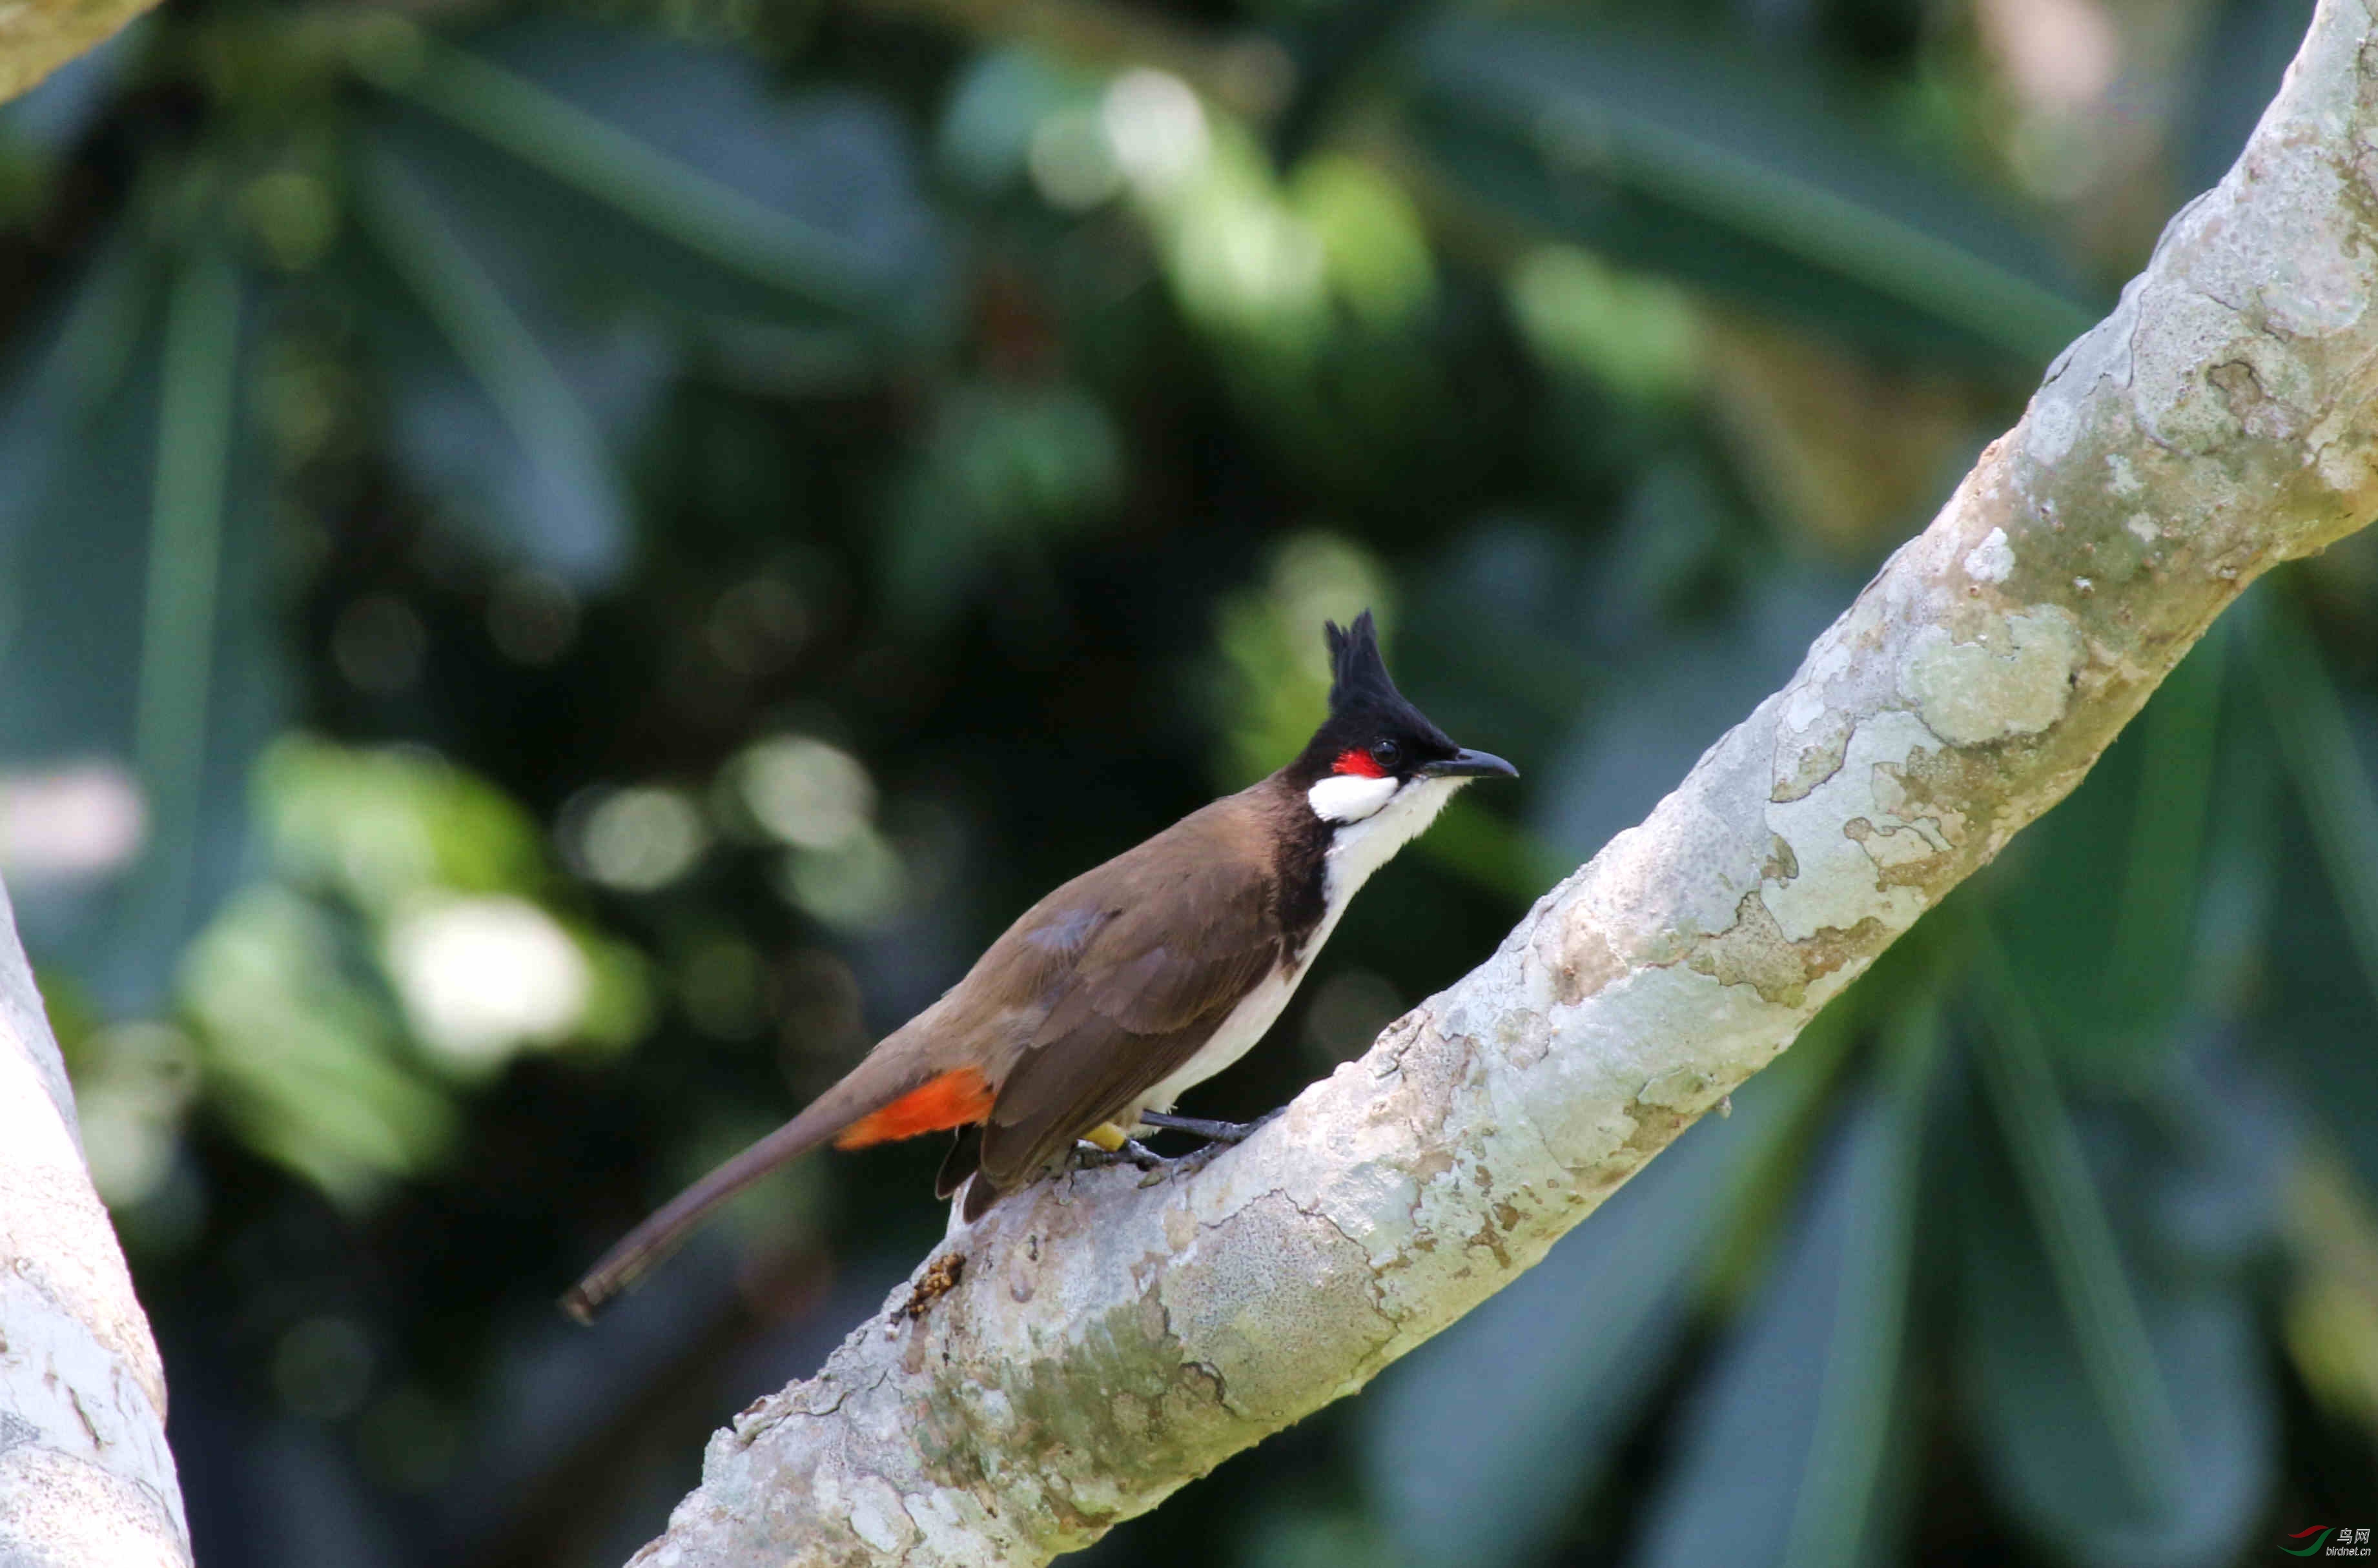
{"points": [[38, 36], [85, 1477], [1107, 1343]]}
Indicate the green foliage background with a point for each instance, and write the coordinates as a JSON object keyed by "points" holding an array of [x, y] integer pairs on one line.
{"points": [[563, 566]]}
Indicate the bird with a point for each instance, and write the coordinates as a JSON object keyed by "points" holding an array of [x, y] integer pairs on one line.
{"points": [[1086, 1020]]}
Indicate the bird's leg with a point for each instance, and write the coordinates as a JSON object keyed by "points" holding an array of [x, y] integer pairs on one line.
{"points": [[1212, 1132]]}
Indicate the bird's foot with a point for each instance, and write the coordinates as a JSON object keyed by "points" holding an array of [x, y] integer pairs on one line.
{"points": [[1091, 1152], [1218, 1136], [1131, 1151], [1189, 1164], [1221, 1133]]}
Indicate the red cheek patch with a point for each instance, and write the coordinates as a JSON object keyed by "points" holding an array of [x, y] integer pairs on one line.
{"points": [[1358, 763]]}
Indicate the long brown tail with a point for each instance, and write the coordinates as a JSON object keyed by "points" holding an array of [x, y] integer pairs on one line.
{"points": [[867, 1089]]}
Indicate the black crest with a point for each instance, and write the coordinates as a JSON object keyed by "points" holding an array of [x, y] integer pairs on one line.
{"points": [[1358, 676], [1363, 702]]}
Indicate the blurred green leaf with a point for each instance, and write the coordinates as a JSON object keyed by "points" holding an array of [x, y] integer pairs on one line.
{"points": [[995, 106], [1492, 852], [812, 200], [2311, 1007], [2105, 956], [1744, 175], [380, 828], [2236, 894], [2240, 62], [2317, 742], [1529, 666], [1637, 337], [2084, 1261], [1314, 1537], [74, 359], [1270, 683], [2123, 1409], [1684, 686], [302, 1055], [1005, 472], [399, 948], [2321, 1004], [2126, 1409], [2046, 1439], [633, 175], [1479, 1445], [2144, 977], [1784, 1447], [2215, 1150], [136, 501], [184, 584], [539, 474]]}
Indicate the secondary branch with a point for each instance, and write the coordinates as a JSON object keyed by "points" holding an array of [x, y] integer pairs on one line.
{"points": [[85, 1475]]}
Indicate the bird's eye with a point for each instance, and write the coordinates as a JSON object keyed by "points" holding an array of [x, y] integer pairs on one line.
{"points": [[1386, 754]]}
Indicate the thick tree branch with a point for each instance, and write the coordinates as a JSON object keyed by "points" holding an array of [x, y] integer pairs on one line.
{"points": [[85, 1475], [1107, 1344]]}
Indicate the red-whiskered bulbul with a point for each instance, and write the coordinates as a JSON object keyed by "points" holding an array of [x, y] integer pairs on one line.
{"points": [[1092, 1013]]}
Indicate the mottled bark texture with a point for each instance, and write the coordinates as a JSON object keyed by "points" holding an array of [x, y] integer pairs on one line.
{"points": [[86, 1480], [38, 36], [1106, 1343]]}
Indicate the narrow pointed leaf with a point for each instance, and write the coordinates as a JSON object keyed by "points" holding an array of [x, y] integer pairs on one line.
{"points": [[139, 641], [679, 170], [1739, 175], [181, 593], [1478, 1445], [2078, 1239], [2317, 1000], [2044, 1423], [540, 474], [1784, 1449], [2099, 920], [2317, 741]]}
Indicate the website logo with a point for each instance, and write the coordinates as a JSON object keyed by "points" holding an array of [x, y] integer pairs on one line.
{"points": [[2347, 1542]]}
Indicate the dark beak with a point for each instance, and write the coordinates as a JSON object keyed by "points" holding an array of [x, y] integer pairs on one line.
{"points": [[1468, 764]]}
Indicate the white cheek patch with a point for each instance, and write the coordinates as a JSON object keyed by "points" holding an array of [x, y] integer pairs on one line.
{"points": [[1349, 797]]}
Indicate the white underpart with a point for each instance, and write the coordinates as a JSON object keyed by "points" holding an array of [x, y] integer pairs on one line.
{"points": [[1365, 842]]}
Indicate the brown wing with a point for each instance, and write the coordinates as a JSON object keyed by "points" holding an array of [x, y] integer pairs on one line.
{"points": [[1151, 983]]}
